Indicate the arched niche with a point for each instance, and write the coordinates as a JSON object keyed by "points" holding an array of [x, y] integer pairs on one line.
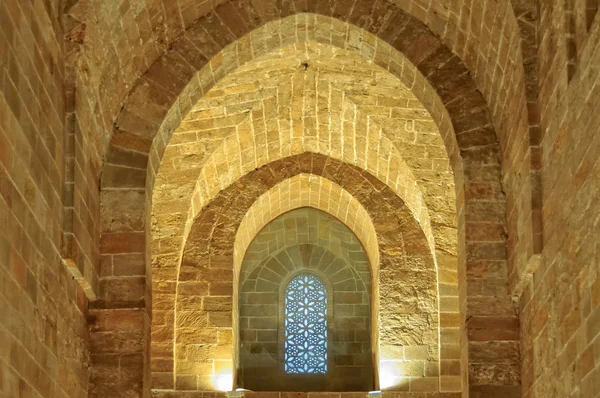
{"points": [[305, 240]]}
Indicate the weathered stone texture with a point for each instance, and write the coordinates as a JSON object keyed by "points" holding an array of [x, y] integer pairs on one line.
{"points": [[310, 240], [44, 341], [492, 54], [560, 304], [206, 243], [478, 119]]}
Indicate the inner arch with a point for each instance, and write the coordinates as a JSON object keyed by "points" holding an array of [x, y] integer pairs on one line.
{"points": [[327, 346], [209, 252]]}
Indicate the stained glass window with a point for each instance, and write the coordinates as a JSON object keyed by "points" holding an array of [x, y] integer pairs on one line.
{"points": [[305, 326]]}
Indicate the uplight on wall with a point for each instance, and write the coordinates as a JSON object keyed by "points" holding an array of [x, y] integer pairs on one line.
{"points": [[224, 381], [392, 375], [386, 378], [237, 393]]}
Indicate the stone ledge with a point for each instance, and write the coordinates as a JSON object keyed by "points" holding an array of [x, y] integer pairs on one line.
{"points": [[287, 394], [86, 287], [526, 276]]}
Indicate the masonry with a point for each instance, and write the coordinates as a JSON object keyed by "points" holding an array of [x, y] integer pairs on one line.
{"points": [[167, 167]]}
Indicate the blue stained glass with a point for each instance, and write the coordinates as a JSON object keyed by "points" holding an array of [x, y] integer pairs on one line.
{"points": [[305, 326]]}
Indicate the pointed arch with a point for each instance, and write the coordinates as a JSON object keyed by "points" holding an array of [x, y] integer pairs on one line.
{"points": [[136, 132]]}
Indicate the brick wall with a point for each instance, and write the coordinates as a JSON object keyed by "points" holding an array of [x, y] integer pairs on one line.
{"points": [[560, 308], [248, 394], [44, 343], [57, 114], [218, 124], [208, 258], [485, 236]]}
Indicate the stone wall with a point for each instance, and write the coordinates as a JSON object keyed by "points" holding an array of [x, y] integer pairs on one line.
{"points": [[44, 342], [202, 156], [209, 253], [350, 363], [305, 239], [162, 96], [106, 99], [560, 307], [249, 394]]}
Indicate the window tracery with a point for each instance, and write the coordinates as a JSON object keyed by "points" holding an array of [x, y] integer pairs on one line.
{"points": [[305, 326]]}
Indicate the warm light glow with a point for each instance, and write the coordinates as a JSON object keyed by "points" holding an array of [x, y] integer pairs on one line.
{"points": [[386, 378], [392, 375], [224, 381]]}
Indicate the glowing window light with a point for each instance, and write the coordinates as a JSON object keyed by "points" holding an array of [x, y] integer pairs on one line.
{"points": [[305, 326]]}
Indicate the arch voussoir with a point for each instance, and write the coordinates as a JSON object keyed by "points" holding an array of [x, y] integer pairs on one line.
{"points": [[392, 220], [157, 92]]}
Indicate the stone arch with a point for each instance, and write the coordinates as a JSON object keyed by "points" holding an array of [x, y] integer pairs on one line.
{"points": [[225, 179], [315, 191], [306, 232], [306, 190], [313, 240], [400, 177], [412, 179], [349, 305], [481, 48], [364, 118], [209, 250], [124, 140], [222, 181], [129, 148], [491, 34]]}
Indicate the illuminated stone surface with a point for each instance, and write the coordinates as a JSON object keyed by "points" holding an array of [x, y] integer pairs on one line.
{"points": [[144, 144]]}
